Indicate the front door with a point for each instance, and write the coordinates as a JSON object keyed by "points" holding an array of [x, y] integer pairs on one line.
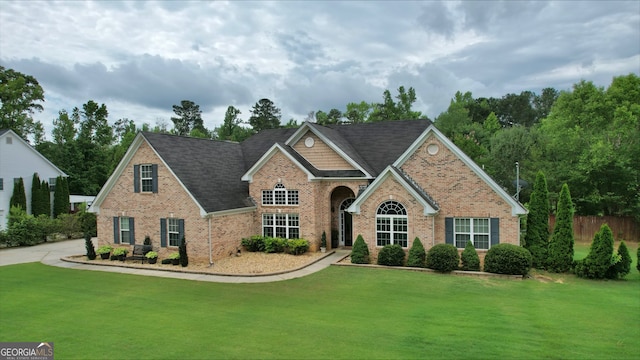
{"points": [[346, 225]]}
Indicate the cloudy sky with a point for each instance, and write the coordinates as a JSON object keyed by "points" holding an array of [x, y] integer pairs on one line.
{"points": [[142, 57]]}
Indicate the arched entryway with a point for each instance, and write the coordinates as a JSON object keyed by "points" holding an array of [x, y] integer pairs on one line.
{"points": [[341, 226]]}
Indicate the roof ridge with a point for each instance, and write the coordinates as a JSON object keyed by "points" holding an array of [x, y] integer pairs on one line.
{"points": [[413, 183]]}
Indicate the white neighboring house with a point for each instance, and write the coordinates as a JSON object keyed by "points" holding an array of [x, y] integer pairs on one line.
{"points": [[18, 159]]}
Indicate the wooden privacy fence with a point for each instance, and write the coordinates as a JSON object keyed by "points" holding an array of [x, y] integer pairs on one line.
{"points": [[585, 227]]}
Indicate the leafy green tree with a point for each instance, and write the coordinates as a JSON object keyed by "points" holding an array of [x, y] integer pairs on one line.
{"points": [[537, 236], [417, 254], [508, 146], [358, 113], [455, 120], [391, 110], [19, 197], [561, 244], [599, 259], [264, 115], [491, 124], [232, 128], [20, 95], [470, 258], [188, 117], [360, 251]]}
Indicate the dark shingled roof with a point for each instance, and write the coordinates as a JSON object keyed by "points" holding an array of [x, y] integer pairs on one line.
{"points": [[2, 131], [417, 188], [209, 169], [212, 170]]}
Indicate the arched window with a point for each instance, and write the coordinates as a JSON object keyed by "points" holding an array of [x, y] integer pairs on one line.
{"points": [[280, 196], [391, 224]]}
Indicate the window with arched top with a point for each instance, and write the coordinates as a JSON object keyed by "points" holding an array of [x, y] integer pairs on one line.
{"points": [[280, 195], [391, 224]]}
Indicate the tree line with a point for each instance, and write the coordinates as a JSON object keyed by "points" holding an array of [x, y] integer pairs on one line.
{"points": [[587, 137]]}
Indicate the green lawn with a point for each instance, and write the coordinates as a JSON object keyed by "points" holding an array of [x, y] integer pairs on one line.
{"points": [[340, 312]]}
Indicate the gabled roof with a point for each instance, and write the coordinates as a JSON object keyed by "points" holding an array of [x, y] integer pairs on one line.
{"points": [[429, 205], [4, 132], [208, 170]]}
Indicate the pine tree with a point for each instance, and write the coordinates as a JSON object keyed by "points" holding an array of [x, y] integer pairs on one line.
{"points": [[46, 198], [36, 196], [182, 249], [19, 197], [537, 237], [91, 251], [417, 255], [360, 251], [61, 197], [562, 241], [598, 261], [622, 265]]}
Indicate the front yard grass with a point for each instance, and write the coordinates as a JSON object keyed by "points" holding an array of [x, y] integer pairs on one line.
{"points": [[340, 312]]}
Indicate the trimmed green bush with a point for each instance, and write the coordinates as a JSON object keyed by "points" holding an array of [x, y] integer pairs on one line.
{"points": [[166, 261], [360, 251], [507, 259], [561, 245], [391, 255], [297, 246], [470, 259], [621, 263], [254, 243], [182, 250], [274, 245], [417, 255], [443, 258], [18, 197], [597, 263], [91, 251]]}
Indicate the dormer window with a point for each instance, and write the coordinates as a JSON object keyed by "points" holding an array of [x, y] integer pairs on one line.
{"points": [[280, 195]]}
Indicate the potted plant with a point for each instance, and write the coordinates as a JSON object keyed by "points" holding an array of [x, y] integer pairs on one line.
{"points": [[104, 251], [175, 258], [120, 253], [323, 242], [152, 257]]}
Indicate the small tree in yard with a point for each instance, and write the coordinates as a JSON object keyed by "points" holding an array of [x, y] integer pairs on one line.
{"points": [[91, 251], [19, 197], [537, 238], [561, 244], [184, 259], [417, 255], [621, 263], [360, 251], [598, 261], [470, 259]]}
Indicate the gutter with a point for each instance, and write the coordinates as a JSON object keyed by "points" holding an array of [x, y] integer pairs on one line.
{"points": [[210, 250]]}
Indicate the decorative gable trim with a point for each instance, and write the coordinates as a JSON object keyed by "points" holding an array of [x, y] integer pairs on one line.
{"points": [[516, 207], [248, 176], [307, 126], [124, 163], [388, 172], [9, 132]]}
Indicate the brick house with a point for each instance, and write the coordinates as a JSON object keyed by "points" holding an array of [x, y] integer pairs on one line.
{"points": [[389, 181]]}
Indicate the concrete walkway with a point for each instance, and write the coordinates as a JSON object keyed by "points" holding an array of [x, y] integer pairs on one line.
{"points": [[51, 254]]}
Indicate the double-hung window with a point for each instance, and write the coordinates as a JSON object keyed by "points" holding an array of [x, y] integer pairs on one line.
{"points": [[280, 195], [123, 230], [171, 231], [476, 230], [281, 225], [145, 178], [391, 224]]}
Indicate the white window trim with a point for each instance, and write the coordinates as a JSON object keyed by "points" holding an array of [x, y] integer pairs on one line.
{"points": [[149, 178], [392, 232], [472, 232], [285, 193], [124, 227], [274, 225], [170, 231]]}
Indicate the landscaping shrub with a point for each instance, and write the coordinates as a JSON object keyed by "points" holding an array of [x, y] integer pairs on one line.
{"points": [[254, 243], [507, 259], [537, 237], [470, 259], [26, 230], [166, 261], [561, 245], [599, 259], [638, 259], [621, 263], [91, 251], [297, 246], [443, 258], [88, 222], [391, 255], [360, 251], [417, 255], [182, 249], [274, 245], [69, 225]]}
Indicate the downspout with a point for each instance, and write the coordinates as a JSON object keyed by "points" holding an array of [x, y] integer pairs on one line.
{"points": [[433, 230], [210, 255]]}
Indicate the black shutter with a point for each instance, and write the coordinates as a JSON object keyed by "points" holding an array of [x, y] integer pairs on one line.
{"points": [[495, 231], [136, 178], [116, 230], [132, 232], [448, 230], [181, 229], [154, 178], [163, 232]]}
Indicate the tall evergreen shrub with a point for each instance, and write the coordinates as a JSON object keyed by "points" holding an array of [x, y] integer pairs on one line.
{"points": [[621, 263], [470, 258], [417, 255], [360, 251], [536, 239], [36, 196], [561, 244], [46, 198], [182, 249], [598, 261], [91, 251], [61, 197], [18, 197]]}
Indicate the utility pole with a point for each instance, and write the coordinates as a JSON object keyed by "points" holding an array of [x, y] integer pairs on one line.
{"points": [[517, 181]]}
